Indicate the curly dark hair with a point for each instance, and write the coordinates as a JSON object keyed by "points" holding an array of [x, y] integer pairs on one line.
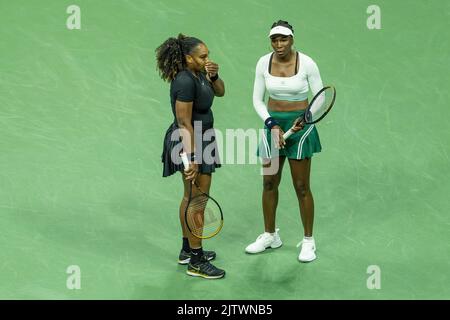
{"points": [[283, 24], [170, 55]]}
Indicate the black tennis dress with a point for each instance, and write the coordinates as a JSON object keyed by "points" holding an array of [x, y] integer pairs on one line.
{"points": [[188, 88]]}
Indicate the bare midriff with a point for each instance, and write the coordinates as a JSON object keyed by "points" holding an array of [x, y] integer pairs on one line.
{"points": [[283, 105]]}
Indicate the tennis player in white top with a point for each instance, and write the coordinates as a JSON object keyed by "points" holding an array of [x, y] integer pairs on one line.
{"points": [[287, 76]]}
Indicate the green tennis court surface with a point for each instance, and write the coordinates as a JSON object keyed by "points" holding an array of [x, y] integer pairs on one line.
{"points": [[82, 118]]}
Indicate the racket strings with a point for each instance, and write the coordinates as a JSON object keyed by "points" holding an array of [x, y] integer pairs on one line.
{"points": [[321, 104], [203, 217]]}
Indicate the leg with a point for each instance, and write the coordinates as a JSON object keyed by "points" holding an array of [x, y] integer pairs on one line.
{"points": [[270, 195], [199, 265], [300, 170], [204, 182]]}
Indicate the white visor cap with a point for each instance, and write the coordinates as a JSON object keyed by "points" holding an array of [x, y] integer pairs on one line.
{"points": [[281, 30]]}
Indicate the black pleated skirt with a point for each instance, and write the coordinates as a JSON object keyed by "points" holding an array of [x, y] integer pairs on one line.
{"points": [[207, 156]]}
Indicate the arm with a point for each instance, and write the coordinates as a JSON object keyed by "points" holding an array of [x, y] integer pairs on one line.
{"points": [[314, 79], [212, 70], [315, 84], [184, 88], [183, 112], [259, 88], [219, 88]]}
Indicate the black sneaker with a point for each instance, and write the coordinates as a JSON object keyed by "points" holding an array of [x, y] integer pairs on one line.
{"points": [[185, 257], [204, 269]]}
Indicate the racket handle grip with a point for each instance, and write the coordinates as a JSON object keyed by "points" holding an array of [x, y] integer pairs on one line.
{"points": [[287, 134], [185, 160]]}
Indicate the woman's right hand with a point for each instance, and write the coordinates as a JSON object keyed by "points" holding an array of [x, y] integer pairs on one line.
{"points": [[192, 172]]}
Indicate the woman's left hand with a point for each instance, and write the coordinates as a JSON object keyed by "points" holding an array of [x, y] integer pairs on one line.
{"points": [[211, 68], [298, 125]]}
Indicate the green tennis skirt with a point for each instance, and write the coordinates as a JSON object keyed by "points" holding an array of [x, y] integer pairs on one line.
{"points": [[300, 145]]}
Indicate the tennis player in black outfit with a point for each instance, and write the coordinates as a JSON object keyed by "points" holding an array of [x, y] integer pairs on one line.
{"points": [[194, 81]]}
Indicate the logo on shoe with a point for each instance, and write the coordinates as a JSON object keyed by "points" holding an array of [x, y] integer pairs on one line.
{"points": [[195, 268]]}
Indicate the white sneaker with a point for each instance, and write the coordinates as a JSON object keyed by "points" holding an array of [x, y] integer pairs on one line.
{"points": [[265, 241], [308, 252]]}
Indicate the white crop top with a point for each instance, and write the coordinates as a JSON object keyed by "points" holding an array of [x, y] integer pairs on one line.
{"points": [[293, 88]]}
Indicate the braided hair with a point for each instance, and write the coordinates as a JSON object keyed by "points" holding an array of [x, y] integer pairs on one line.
{"points": [[282, 23], [170, 55]]}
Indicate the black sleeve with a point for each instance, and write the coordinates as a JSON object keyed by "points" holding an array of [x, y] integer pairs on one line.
{"points": [[184, 88]]}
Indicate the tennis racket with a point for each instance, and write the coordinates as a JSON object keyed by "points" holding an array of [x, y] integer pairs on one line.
{"points": [[203, 215], [320, 105]]}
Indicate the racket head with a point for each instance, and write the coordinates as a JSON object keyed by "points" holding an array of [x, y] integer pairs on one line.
{"points": [[203, 216], [320, 105]]}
